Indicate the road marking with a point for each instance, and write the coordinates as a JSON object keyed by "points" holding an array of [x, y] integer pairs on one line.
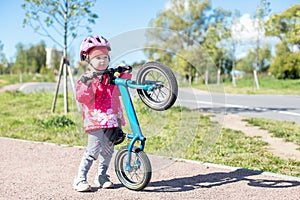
{"points": [[290, 113], [240, 106]]}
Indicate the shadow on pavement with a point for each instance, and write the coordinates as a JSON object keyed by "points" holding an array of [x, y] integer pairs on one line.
{"points": [[237, 110], [218, 179]]}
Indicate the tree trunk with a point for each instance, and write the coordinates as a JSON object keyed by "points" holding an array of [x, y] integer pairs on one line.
{"points": [[219, 72], [61, 68], [65, 71], [191, 75], [256, 67], [219, 76], [66, 106], [206, 77], [232, 74], [255, 79], [197, 78]]}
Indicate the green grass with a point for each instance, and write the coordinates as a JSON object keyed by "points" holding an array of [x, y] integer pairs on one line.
{"points": [[289, 131], [27, 116], [15, 78], [233, 148], [268, 85], [191, 135], [177, 132]]}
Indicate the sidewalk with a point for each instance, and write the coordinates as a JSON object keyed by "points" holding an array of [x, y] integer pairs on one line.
{"points": [[32, 170]]}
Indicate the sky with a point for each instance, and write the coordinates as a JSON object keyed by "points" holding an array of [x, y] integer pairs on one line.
{"points": [[115, 18]]}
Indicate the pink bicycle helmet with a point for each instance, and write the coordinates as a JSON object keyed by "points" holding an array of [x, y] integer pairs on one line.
{"points": [[91, 42]]}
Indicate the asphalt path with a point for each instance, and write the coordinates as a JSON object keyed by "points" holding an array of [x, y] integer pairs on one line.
{"points": [[276, 107], [34, 170]]}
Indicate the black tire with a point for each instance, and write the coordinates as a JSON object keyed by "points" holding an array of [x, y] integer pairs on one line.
{"points": [[139, 176], [160, 98]]}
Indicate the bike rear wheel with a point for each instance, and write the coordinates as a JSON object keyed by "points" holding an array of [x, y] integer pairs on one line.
{"points": [[139, 175], [162, 97]]}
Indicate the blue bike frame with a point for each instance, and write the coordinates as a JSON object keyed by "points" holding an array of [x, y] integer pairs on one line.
{"points": [[123, 85]]}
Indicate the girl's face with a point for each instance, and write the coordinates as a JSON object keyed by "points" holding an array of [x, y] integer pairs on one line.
{"points": [[100, 62]]}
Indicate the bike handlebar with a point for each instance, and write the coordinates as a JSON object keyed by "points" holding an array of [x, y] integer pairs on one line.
{"points": [[109, 71]]}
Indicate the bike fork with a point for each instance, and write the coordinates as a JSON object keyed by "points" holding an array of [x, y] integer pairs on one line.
{"points": [[137, 133]]}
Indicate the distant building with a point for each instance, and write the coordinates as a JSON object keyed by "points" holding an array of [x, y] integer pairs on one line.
{"points": [[53, 57]]}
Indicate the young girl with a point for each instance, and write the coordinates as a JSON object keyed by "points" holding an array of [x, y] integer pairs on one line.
{"points": [[101, 111]]}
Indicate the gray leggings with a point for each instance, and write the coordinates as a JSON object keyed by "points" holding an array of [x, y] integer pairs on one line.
{"points": [[97, 145]]}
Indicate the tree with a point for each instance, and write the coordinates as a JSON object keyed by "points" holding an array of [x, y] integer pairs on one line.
{"points": [[3, 60], [64, 18], [246, 63], [30, 60], [261, 13], [232, 42], [21, 63], [216, 34], [286, 27], [59, 19], [181, 27], [36, 55], [286, 64]]}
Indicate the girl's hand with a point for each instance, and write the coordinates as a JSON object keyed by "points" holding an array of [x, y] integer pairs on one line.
{"points": [[87, 78], [126, 68], [129, 69]]}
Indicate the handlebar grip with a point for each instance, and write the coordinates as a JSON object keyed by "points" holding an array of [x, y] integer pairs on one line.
{"points": [[124, 69], [111, 71], [84, 79]]}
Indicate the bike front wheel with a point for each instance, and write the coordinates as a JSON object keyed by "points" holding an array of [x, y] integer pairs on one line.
{"points": [[134, 175], [165, 94]]}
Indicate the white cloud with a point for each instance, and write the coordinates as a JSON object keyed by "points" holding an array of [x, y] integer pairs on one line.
{"points": [[170, 5], [246, 33], [246, 29]]}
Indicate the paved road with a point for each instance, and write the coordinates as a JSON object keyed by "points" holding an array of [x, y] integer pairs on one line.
{"points": [[278, 107], [31, 170]]}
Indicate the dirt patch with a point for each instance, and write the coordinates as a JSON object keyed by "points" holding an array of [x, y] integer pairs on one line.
{"points": [[277, 146], [13, 87]]}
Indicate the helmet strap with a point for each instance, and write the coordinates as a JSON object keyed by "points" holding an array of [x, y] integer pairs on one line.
{"points": [[87, 58]]}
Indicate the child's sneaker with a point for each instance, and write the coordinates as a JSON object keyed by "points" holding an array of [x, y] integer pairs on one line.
{"points": [[81, 185], [103, 181]]}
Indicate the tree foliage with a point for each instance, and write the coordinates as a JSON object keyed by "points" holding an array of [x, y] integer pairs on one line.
{"points": [[286, 27], [286, 64], [188, 34], [30, 60], [217, 33], [247, 63], [59, 19], [3, 61]]}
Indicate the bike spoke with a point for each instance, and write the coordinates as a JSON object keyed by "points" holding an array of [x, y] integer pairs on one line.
{"points": [[159, 94], [156, 95]]}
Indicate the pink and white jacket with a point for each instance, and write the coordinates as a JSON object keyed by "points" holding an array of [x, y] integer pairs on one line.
{"points": [[101, 107]]}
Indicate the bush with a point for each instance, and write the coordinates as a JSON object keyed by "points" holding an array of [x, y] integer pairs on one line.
{"points": [[56, 121]]}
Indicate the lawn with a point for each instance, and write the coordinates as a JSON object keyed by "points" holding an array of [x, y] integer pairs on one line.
{"points": [[268, 85]]}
